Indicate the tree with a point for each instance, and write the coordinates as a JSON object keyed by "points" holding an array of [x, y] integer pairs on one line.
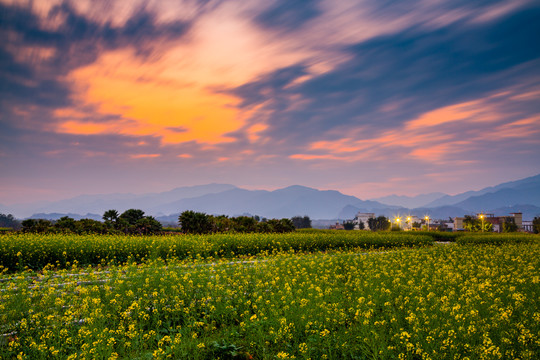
{"points": [[509, 225], [285, 225], [222, 223], [37, 226], [475, 225], [300, 222], [9, 221], [281, 226], [192, 222], [29, 225], [379, 224], [264, 227], [43, 225], [132, 216], [148, 225], [111, 218], [244, 224], [361, 225], [536, 225], [66, 224], [91, 226], [348, 225]]}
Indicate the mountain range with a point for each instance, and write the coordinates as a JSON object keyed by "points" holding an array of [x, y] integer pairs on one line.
{"points": [[516, 196]]}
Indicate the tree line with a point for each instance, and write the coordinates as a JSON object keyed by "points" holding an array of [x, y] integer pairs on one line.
{"points": [[192, 222], [9, 221], [134, 222]]}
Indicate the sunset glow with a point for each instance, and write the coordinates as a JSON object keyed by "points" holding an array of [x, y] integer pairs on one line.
{"points": [[361, 97]]}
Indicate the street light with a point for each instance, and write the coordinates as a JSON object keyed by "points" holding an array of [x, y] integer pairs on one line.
{"points": [[398, 221], [482, 218], [409, 222], [427, 220]]}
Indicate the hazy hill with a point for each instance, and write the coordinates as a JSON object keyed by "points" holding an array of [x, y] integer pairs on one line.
{"points": [[56, 216], [530, 183], [529, 211], [286, 202], [525, 194], [410, 201], [100, 203]]}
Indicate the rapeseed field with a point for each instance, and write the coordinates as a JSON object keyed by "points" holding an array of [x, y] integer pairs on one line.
{"points": [[21, 251], [472, 301]]}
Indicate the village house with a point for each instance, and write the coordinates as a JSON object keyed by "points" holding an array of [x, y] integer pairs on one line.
{"points": [[496, 221]]}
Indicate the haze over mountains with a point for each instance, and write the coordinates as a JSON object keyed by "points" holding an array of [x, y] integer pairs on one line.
{"points": [[516, 196], [410, 202]]}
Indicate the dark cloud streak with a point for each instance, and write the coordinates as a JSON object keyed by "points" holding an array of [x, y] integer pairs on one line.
{"points": [[286, 15], [416, 69]]}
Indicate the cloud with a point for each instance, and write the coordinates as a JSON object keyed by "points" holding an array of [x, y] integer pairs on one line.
{"points": [[158, 107], [145, 156], [276, 92], [289, 15], [392, 78], [442, 136]]}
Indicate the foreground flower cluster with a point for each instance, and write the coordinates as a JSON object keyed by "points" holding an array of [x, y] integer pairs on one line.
{"points": [[443, 302]]}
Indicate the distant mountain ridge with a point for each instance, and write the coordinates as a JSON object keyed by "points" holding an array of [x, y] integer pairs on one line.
{"points": [[518, 196], [212, 199], [56, 216], [120, 201], [532, 182], [286, 202]]}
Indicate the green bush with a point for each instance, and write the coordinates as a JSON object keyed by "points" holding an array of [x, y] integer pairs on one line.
{"points": [[497, 239]]}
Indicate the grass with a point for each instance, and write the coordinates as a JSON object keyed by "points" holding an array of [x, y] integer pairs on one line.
{"points": [[497, 239], [443, 302]]}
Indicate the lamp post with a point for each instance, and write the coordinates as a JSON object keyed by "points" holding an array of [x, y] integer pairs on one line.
{"points": [[482, 218], [398, 221], [409, 222], [427, 220]]}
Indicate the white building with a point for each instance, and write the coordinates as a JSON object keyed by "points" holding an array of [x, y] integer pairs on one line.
{"points": [[362, 217]]}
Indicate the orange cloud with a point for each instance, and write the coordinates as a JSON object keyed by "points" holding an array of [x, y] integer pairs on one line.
{"points": [[156, 104], [518, 129], [437, 153], [446, 114], [314, 157], [254, 130], [184, 156], [70, 113], [145, 156]]}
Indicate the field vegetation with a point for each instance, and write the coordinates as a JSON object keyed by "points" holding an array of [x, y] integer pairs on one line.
{"points": [[26, 251], [303, 295]]}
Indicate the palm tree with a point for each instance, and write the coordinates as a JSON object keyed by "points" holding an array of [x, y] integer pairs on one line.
{"points": [[110, 217]]}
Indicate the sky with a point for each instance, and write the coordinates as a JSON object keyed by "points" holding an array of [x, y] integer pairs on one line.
{"points": [[370, 98]]}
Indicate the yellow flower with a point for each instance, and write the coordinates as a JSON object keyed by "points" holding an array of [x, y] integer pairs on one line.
{"points": [[325, 332]]}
